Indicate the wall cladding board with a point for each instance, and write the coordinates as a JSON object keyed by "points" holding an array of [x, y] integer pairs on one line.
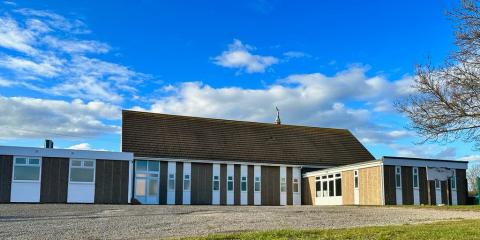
{"points": [[432, 192], [444, 192], [270, 185], [179, 183], [389, 185], [111, 182], [201, 184], [223, 184], [163, 183], [289, 186], [236, 184], [423, 185], [347, 187], [54, 183], [308, 191], [6, 167], [370, 186], [407, 185], [461, 186], [250, 178]]}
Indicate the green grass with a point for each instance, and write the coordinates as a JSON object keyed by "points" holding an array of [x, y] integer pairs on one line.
{"points": [[462, 229]]}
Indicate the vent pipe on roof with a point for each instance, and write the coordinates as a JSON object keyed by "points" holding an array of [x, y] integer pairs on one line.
{"points": [[277, 120], [48, 143]]}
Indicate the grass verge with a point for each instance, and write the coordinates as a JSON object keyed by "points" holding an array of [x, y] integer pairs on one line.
{"points": [[462, 229]]}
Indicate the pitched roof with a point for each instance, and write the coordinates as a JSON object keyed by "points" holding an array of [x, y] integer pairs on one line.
{"points": [[170, 136]]}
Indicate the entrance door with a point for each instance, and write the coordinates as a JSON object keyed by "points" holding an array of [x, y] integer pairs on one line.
{"points": [[356, 195], [147, 178]]}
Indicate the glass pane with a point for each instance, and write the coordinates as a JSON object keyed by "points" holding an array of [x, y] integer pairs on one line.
{"points": [[153, 166], [153, 175], [415, 181], [397, 180], [257, 179], [330, 188], [244, 178], [34, 161], [230, 178], [338, 185], [171, 176], [152, 187], [318, 189], [356, 182], [216, 185], [20, 160], [27, 173], [88, 163], [140, 175], [140, 187], [229, 186], [244, 186], [215, 177], [283, 187], [171, 184], [295, 187], [187, 177], [186, 185], [76, 163], [141, 166], [257, 186], [81, 175], [324, 189]]}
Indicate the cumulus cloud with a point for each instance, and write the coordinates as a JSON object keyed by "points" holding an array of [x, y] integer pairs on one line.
{"points": [[84, 146], [239, 56], [40, 118], [50, 55]]}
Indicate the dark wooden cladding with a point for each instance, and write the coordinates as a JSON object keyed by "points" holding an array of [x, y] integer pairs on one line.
{"points": [[179, 183], [407, 185], [270, 189], [433, 194], [6, 165], [250, 185], [54, 183], [223, 184], [389, 185], [201, 184], [163, 183], [449, 192], [289, 186], [462, 185], [444, 192], [111, 182], [236, 184], [423, 185], [306, 192]]}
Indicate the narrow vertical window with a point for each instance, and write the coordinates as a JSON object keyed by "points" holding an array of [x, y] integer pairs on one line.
{"points": [[243, 184], [415, 177], [453, 180], [171, 182], [230, 183], [257, 184], [295, 185], [186, 182], [398, 177], [437, 184], [318, 188], [283, 185], [216, 183], [338, 187], [355, 178]]}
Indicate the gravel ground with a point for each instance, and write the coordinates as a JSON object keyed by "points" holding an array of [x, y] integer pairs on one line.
{"points": [[61, 221]]}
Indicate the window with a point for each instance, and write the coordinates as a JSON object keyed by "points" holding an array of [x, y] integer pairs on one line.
{"points": [[331, 185], [216, 183], [26, 169], [338, 187], [82, 171], [453, 180], [415, 177], [171, 182], [295, 185], [243, 184], [355, 179], [331, 188], [283, 184], [324, 189], [257, 184], [398, 177], [230, 183], [318, 188], [186, 182], [437, 184]]}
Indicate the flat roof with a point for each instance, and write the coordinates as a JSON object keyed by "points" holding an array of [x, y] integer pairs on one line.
{"points": [[426, 159], [65, 153]]}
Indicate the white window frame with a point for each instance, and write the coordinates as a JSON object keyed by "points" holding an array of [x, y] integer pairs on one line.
{"points": [[398, 172], [170, 178], [295, 182], [82, 166], [356, 180], [283, 184], [454, 180], [415, 177], [230, 179], [27, 163], [213, 183], [438, 184], [189, 180], [244, 180], [259, 181]]}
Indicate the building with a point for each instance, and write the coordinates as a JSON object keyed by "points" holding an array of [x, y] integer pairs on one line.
{"points": [[48, 175], [170, 159]]}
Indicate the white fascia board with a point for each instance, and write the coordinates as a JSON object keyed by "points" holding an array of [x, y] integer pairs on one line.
{"points": [[65, 153], [228, 162], [415, 162], [344, 168]]}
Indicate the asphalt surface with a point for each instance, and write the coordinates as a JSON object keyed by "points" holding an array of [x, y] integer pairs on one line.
{"points": [[62, 221]]}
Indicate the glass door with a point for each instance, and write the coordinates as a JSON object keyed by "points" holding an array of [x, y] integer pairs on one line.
{"points": [[147, 178]]}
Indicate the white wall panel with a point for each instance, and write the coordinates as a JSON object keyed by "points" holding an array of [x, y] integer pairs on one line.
{"points": [[257, 196], [187, 170], [283, 195], [172, 168], [297, 197], [25, 192], [81, 193], [230, 194], [216, 194], [243, 194]]}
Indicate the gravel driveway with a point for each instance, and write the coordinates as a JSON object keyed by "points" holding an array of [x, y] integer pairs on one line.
{"points": [[60, 221]]}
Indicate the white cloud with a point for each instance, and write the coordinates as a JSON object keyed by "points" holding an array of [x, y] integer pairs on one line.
{"points": [[295, 54], [470, 158], [238, 56], [14, 37], [84, 146], [40, 118]]}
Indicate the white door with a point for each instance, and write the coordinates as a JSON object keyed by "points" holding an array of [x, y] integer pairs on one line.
{"points": [[356, 197], [147, 179]]}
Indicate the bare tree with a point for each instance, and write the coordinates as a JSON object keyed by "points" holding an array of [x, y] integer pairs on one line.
{"points": [[473, 173], [446, 104]]}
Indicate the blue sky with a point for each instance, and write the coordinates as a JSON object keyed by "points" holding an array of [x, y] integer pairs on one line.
{"points": [[67, 68]]}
